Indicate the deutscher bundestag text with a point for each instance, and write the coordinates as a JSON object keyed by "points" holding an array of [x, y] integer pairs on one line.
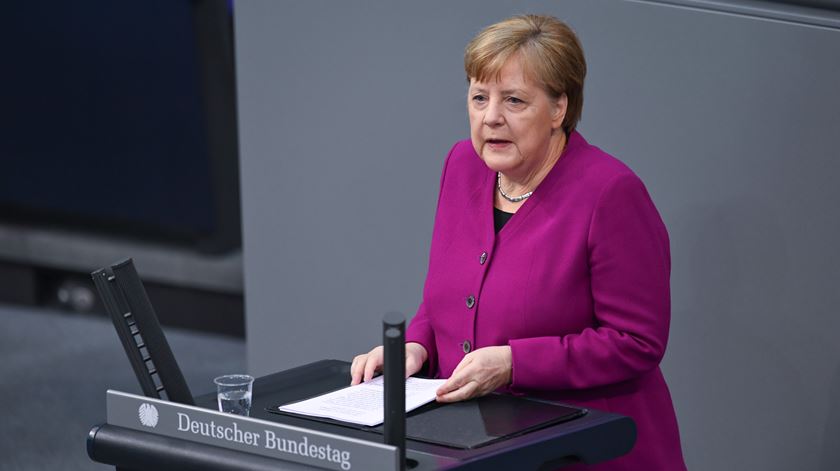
{"points": [[270, 440]]}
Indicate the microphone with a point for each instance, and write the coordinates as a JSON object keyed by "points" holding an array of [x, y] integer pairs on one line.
{"points": [[393, 339]]}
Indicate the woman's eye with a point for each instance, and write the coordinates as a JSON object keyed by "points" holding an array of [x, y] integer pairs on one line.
{"points": [[479, 98], [515, 101]]}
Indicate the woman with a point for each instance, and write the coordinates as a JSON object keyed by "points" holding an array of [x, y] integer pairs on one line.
{"points": [[549, 266]]}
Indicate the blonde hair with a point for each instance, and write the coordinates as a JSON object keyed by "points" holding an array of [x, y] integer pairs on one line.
{"points": [[550, 51]]}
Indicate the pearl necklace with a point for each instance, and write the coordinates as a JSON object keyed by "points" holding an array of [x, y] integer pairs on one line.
{"points": [[512, 199]]}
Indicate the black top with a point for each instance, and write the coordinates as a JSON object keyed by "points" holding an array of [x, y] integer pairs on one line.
{"points": [[500, 218]]}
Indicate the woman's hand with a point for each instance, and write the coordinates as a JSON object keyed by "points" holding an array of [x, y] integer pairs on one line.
{"points": [[365, 365], [480, 372]]}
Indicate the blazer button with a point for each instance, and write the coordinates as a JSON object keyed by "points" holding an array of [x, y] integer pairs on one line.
{"points": [[470, 301], [482, 258], [466, 346]]}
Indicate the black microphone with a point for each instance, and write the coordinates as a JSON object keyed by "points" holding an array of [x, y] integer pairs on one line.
{"points": [[393, 339]]}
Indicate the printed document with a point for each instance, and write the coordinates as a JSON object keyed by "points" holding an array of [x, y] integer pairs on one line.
{"points": [[363, 403]]}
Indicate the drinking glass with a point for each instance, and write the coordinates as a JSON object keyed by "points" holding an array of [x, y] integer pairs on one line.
{"points": [[234, 393]]}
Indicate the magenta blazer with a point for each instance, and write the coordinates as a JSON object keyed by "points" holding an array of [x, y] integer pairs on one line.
{"points": [[576, 282]]}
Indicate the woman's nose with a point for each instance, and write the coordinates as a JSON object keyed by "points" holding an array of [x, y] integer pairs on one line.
{"points": [[493, 114]]}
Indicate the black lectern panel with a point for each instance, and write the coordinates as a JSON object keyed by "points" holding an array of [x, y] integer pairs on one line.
{"points": [[485, 420], [467, 424]]}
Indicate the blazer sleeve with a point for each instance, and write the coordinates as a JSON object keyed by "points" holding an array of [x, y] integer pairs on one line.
{"points": [[420, 328], [629, 266], [420, 331]]}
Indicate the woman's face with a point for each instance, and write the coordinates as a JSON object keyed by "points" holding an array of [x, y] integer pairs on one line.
{"points": [[513, 122]]}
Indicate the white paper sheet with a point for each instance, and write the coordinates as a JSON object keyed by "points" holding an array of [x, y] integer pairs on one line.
{"points": [[363, 403]]}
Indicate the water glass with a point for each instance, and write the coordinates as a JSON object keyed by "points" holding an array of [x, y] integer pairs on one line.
{"points": [[234, 393]]}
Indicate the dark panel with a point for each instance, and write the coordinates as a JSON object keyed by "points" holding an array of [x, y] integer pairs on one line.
{"points": [[106, 119]]}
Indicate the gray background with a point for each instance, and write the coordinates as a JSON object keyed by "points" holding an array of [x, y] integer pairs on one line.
{"points": [[348, 108]]}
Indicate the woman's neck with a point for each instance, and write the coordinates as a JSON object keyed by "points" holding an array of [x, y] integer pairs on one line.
{"points": [[515, 185]]}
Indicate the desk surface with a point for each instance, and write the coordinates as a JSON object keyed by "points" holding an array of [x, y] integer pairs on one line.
{"points": [[595, 437]]}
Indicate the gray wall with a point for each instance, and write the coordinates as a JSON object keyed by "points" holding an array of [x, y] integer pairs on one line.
{"points": [[347, 110]]}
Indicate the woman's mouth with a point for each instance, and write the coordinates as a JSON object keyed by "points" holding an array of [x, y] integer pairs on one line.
{"points": [[498, 144]]}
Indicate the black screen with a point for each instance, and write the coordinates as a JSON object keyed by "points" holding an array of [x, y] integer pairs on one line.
{"points": [[103, 118]]}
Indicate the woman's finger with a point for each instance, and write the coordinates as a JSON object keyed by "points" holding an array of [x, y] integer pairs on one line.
{"points": [[411, 365], [373, 363], [458, 379], [356, 369], [463, 393], [450, 385], [466, 361]]}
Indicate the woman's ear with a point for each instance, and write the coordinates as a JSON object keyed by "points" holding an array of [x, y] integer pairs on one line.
{"points": [[561, 105]]}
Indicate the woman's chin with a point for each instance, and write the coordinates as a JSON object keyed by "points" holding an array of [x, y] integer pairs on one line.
{"points": [[497, 162]]}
